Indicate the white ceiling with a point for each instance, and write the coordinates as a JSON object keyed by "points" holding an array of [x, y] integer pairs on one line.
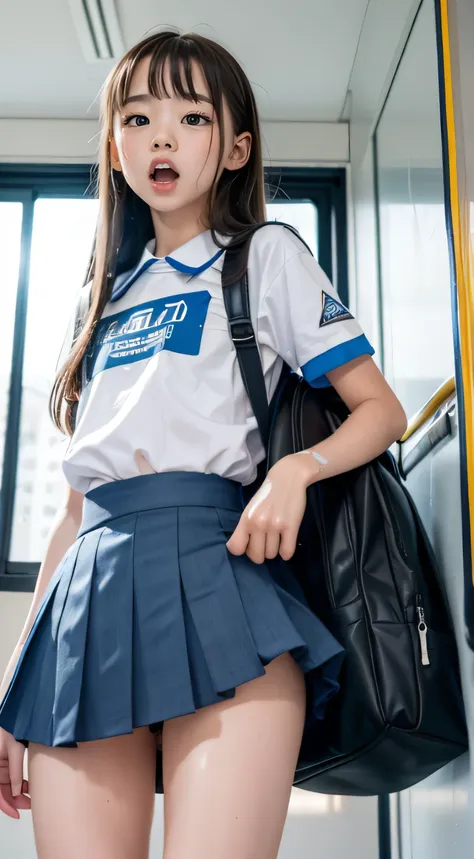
{"points": [[298, 54]]}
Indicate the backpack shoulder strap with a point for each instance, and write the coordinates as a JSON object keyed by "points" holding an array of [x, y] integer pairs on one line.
{"points": [[237, 305], [236, 300]]}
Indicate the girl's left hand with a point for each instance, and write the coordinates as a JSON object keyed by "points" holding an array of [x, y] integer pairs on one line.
{"points": [[271, 520]]}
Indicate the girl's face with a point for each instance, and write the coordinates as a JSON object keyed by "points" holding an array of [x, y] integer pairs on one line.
{"points": [[178, 132]]}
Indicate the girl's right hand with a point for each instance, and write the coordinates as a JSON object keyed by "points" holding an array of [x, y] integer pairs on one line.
{"points": [[12, 753]]}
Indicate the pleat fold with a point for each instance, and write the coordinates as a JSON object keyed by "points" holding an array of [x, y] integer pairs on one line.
{"points": [[149, 617], [162, 687], [27, 708], [98, 640]]}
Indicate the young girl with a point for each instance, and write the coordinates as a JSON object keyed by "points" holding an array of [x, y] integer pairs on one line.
{"points": [[167, 637]]}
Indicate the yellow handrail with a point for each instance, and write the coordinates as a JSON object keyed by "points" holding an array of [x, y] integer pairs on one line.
{"points": [[444, 392]]}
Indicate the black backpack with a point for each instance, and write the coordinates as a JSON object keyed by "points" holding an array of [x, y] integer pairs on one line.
{"points": [[366, 568]]}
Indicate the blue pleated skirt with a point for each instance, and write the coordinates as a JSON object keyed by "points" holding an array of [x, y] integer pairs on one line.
{"points": [[148, 616]]}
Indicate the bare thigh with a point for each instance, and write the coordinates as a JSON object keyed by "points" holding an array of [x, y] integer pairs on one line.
{"points": [[96, 800], [228, 769]]}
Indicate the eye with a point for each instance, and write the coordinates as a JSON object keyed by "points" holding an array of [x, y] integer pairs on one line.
{"points": [[197, 116], [128, 120]]}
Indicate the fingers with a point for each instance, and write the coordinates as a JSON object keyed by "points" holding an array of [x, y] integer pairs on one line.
{"points": [[6, 802], [16, 754], [22, 801], [288, 543], [12, 784], [256, 547], [263, 546], [272, 544], [263, 541], [10, 804], [262, 535], [237, 544]]}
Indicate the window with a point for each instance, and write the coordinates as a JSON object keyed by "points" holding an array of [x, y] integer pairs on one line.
{"points": [[313, 199], [415, 278], [62, 238], [10, 230], [301, 215]]}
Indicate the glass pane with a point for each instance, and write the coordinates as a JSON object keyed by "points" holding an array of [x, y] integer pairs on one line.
{"points": [[10, 231], [301, 215], [63, 232], [417, 327]]}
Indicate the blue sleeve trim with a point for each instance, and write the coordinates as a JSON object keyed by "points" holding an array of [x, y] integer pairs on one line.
{"points": [[314, 371]]}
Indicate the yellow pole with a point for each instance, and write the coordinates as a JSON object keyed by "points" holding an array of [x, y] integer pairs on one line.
{"points": [[463, 269]]}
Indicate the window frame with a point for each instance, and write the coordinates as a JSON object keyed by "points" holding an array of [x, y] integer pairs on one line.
{"points": [[25, 183], [326, 188]]}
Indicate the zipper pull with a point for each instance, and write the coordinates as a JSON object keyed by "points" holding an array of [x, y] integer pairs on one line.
{"points": [[422, 631]]}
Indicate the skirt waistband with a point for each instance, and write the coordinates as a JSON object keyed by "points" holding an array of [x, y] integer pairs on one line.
{"points": [[152, 491]]}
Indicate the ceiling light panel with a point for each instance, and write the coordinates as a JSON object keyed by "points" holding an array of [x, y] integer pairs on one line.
{"points": [[98, 29]]}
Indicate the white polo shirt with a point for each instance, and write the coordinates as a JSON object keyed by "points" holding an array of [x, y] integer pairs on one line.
{"points": [[162, 389]]}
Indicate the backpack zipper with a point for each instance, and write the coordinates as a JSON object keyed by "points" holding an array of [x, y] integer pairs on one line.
{"points": [[422, 630]]}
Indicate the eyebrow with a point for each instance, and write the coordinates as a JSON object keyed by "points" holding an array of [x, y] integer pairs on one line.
{"points": [[147, 97]]}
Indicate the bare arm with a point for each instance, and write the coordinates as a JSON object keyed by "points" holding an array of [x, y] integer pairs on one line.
{"points": [[63, 534], [377, 419], [275, 512]]}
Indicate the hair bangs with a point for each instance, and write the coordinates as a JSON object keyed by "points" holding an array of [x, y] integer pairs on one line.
{"points": [[174, 54]]}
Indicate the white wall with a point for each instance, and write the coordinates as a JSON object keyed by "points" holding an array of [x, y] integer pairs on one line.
{"points": [[74, 141], [383, 37]]}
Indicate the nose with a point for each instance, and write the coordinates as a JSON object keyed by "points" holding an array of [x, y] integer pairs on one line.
{"points": [[163, 140]]}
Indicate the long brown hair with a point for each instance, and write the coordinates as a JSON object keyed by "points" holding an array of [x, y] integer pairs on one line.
{"points": [[124, 224]]}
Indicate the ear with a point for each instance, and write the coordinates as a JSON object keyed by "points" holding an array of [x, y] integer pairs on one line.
{"points": [[240, 152], [114, 156]]}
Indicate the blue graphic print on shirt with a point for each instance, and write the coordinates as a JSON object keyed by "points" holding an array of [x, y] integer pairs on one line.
{"points": [[175, 322]]}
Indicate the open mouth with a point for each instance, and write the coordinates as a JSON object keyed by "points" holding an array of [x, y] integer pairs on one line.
{"points": [[163, 174]]}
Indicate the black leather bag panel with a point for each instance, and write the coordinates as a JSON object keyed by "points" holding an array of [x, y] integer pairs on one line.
{"points": [[364, 562]]}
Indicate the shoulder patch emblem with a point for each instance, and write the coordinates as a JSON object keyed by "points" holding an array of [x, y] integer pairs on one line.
{"points": [[333, 311]]}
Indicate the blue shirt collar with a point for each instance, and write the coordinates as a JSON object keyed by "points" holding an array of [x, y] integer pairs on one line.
{"points": [[192, 258]]}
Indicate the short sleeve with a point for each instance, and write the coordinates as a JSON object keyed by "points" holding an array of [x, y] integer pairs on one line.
{"points": [[303, 319]]}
